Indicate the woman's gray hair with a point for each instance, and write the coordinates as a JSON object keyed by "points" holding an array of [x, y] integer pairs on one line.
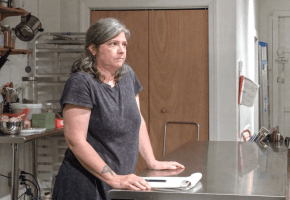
{"points": [[99, 33]]}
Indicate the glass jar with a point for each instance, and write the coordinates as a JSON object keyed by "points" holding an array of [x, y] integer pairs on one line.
{"points": [[1, 38], [13, 38], [29, 90], [7, 36], [48, 108]]}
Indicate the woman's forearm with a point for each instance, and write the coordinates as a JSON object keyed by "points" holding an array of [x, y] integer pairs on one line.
{"points": [[76, 119], [91, 161], [145, 147]]}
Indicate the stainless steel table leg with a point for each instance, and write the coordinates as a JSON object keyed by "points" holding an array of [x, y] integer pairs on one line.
{"points": [[15, 172], [34, 161]]}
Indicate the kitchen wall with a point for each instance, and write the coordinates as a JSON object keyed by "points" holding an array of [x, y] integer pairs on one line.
{"points": [[247, 41]]}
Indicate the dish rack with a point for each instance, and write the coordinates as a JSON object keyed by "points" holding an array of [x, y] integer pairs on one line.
{"points": [[52, 57]]}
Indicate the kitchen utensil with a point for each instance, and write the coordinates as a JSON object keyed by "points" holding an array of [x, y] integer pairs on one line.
{"points": [[11, 128], [3, 59], [28, 28], [28, 68], [12, 95]]}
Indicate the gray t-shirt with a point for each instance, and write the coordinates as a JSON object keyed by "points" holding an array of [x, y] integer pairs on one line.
{"points": [[113, 131]]}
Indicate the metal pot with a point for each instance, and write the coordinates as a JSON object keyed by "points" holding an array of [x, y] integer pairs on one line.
{"points": [[28, 28]]}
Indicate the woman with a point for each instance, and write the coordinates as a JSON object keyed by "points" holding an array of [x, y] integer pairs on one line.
{"points": [[104, 128]]}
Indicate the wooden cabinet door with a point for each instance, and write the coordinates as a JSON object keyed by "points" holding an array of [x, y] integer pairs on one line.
{"points": [[137, 50], [178, 76], [168, 51], [137, 53]]}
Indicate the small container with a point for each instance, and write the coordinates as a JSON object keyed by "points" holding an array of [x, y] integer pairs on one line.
{"points": [[1, 38], [13, 38], [7, 36], [11, 128], [29, 90], [34, 108], [48, 108]]}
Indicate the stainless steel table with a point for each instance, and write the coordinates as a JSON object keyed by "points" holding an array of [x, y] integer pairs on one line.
{"points": [[231, 170], [15, 140]]}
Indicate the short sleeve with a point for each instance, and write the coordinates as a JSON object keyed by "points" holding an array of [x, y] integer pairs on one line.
{"points": [[136, 83], [77, 91]]}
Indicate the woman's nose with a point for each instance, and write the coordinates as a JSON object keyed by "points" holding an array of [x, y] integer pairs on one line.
{"points": [[122, 49]]}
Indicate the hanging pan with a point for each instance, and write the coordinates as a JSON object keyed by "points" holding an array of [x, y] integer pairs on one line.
{"points": [[28, 28]]}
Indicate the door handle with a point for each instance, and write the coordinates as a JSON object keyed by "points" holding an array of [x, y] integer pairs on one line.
{"points": [[163, 110]]}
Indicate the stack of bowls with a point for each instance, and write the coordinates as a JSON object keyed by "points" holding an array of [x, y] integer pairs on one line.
{"points": [[11, 128]]}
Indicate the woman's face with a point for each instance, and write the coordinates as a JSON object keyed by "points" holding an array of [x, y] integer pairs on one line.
{"points": [[112, 54]]}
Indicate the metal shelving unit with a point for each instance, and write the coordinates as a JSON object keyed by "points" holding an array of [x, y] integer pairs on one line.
{"points": [[52, 57]]}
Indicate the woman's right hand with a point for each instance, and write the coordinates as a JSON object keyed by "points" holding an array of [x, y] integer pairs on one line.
{"points": [[129, 182]]}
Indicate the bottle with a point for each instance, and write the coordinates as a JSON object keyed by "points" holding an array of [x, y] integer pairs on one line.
{"points": [[3, 59], [1, 38], [13, 38], [49, 108], [7, 36], [9, 3]]}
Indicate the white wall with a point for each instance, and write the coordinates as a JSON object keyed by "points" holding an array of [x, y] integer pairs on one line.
{"points": [[226, 70], [246, 34]]}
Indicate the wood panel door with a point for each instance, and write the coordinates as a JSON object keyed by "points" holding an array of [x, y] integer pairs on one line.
{"points": [[137, 53], [137, 50], [178, 74], [168, 51]]}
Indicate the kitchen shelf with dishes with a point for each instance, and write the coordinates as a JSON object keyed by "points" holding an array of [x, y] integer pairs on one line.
{"points": [[9, 12]]}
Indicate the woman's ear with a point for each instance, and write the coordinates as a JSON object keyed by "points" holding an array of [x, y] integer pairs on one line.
{"points": [[93, 49]]}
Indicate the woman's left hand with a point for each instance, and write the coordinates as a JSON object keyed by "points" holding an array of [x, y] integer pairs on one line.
{"points": [[160, 165]]}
